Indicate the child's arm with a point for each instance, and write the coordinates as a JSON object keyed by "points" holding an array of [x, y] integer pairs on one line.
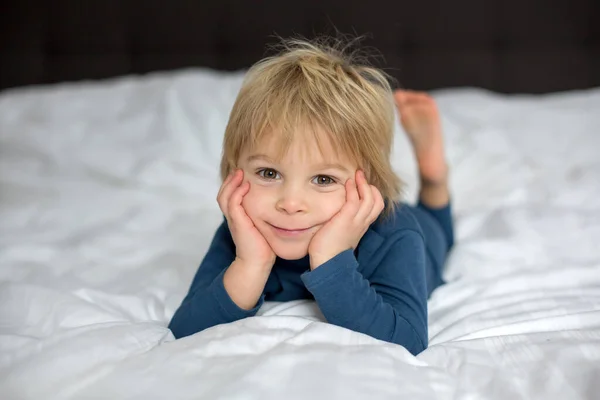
{"points": [[208, 303], [391, 305], [231, 279]]}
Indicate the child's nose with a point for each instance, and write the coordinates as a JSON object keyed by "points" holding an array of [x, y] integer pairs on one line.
{"points": [[291, 200]]}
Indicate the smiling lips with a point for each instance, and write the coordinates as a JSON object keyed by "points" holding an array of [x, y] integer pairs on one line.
{"points": [[289, 232]]}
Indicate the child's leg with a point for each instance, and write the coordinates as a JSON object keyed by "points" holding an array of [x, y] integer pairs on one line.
{"points": [[421, 121]]}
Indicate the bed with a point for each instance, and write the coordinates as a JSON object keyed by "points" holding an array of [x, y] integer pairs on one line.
{"points": [[108, 180]]}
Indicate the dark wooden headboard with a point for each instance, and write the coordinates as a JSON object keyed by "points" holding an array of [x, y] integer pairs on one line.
{"points": [[531, 46]]}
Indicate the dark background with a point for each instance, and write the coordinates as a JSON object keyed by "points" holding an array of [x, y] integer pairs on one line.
{"points": [[531, 46]]}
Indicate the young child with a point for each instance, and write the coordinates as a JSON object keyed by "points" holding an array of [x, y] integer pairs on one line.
{"points": [[311, 201]]}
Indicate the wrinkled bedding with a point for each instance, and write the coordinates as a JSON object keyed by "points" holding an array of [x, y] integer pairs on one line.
{"points": [[107, 205]]}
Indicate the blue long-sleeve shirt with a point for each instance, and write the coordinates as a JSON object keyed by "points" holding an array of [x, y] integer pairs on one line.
{"points": [[380, 289]]}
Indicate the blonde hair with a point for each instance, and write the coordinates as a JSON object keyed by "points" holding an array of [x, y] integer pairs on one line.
{"points": [[320, 85]]}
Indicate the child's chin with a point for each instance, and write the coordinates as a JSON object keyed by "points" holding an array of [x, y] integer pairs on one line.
{"points": [[291, 254]]}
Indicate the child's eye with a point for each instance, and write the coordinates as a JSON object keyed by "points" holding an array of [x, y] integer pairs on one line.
{"points": [[268, 173], [323, 180]]}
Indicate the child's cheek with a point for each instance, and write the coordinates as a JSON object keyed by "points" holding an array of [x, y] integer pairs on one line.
{"points": [[336, 202], [252, 201]]}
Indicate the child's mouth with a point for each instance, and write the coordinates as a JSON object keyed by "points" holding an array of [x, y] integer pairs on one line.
{"points": [[289, 232]]}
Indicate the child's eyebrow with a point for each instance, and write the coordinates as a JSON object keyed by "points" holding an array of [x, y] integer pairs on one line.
{"points": [[332, 166], [259, 157], [264, 157]]}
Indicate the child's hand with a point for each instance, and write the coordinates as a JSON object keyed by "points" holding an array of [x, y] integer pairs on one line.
{"points": [[251, 246], [363, 205]]}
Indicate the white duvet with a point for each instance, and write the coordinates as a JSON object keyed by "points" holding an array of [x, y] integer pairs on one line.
{"points": [[107, 205]]}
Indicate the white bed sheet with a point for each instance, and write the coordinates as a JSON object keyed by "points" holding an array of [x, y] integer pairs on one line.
{"points": [[107, 205]]}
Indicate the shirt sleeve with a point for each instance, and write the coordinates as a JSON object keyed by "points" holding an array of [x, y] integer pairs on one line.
{"points": [[207, 303], [390, 306]]}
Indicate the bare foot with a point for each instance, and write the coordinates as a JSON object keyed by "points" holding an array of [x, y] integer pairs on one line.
{"points": [[420, 119]]}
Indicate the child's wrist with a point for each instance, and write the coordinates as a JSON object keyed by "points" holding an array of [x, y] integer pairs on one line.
{"points": [[316, 260], [248, 265], [245, 282]]}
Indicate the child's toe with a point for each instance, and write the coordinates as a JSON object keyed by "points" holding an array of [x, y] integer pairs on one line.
{"points": [[399, 97]]}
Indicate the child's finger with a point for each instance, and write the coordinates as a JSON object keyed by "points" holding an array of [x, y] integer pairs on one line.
{"points": [[352, 199], [360, 182], [238, 194], [229, 177], [225, 182], [378, 204], [228, 188], [235, 209], [366, 196]]}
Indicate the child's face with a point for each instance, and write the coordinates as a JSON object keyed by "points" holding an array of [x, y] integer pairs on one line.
{"points": [[292, 198]]}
